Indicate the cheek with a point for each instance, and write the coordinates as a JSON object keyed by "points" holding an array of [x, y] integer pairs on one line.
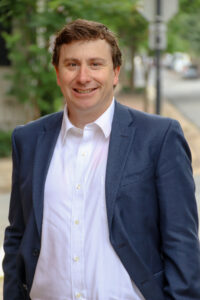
{"points": [[106, 79], [66, 77], [66, 84]]}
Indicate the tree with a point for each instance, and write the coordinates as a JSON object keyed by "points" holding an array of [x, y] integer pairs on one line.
{"points": [[133, 31], [184, 29], [33, 76]]}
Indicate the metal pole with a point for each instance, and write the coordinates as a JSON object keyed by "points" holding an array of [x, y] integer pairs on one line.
{"points": [[157, 56]]}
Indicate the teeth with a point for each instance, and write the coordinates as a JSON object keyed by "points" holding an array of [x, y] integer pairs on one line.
{"points": [[84, 91]]}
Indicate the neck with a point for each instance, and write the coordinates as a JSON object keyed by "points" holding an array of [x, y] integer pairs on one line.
{"points": [[80, 118]]}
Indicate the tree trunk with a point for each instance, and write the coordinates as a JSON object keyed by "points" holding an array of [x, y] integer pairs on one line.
{"points": [[132, 72], [147, 69]]}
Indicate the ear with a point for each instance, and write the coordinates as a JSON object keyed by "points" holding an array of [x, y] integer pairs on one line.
{"points": [[57, 76], [116, 75]]}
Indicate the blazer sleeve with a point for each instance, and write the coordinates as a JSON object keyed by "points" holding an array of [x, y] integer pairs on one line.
{"points": [[13, 234], [178, 217]]}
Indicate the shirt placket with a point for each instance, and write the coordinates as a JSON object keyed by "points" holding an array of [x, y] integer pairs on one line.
{"points": [[77, 227]]}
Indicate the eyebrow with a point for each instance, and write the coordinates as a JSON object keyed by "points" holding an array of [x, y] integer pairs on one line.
{"points": [[90, 59]]}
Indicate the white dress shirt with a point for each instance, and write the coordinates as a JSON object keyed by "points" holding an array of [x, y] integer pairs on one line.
{"points": [[77, 260]]}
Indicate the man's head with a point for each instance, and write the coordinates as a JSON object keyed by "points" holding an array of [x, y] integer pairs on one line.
{"points": [[84, 30], [87, 61]]}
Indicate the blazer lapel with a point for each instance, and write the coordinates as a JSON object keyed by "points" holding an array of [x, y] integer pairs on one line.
{"points": [[120, 141], [44, 151]]}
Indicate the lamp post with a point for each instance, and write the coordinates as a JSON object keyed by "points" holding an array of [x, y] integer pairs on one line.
{"points": [[157, 57], [158, 13]]}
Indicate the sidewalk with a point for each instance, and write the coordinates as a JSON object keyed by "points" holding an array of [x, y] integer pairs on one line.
{"points": [[192, 134]]}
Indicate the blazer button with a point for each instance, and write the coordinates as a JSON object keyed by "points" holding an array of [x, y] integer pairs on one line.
{"points": [[25, 287], [36, 252]]}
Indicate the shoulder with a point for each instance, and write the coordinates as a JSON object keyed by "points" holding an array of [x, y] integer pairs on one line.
{"points": [[151, 132], [156, 135], [34, 127], [147, 123]]}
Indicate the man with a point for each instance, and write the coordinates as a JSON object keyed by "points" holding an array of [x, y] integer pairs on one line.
{"points": [[102, 204]]}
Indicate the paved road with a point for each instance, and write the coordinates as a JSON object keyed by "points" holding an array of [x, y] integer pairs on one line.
{"points": [[184, 94]]}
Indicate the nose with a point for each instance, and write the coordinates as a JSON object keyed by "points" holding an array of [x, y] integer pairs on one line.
{"points": [[83, 75]]}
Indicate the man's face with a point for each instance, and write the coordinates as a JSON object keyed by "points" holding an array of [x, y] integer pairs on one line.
{"points": [[86, 76]]}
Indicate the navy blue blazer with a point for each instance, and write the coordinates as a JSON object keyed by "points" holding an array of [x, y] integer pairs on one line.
{"points": [[151, 206]]}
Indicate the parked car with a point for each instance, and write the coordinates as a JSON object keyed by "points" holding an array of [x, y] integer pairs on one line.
{"points": [[180, 61], [190, 72]]}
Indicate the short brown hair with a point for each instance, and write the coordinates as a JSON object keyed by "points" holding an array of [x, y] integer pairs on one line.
{"points": [[83, 30]]}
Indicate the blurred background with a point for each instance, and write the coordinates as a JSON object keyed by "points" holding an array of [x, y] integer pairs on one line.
{"points": [[168, 72]]}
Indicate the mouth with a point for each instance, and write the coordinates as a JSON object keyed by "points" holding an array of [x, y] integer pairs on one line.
{"points": [[88, 91]]}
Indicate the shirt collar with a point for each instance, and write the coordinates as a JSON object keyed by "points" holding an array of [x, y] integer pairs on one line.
{"points": [[104, 122]]}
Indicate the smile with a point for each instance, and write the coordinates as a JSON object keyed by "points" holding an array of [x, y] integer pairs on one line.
{"points": [[84, 91]]}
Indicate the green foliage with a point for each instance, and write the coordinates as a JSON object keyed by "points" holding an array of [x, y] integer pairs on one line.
{"points": [[189, 6], [132, 28], [33, 77], [34, 23], [192, 34], [175, 38], [5, 143], [184, 28]]}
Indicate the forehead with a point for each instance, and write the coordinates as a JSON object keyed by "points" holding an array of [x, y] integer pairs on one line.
{"points": [[94, 48]]}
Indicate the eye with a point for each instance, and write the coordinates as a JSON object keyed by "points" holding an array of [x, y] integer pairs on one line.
{"points": [[72, 64], [95, 65]]}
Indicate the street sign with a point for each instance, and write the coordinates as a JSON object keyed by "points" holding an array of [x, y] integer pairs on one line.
{"points": [[158, 12], [157, 36], [148, 9]]}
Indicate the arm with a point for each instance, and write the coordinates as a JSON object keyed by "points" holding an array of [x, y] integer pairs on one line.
{"points": [[178, 217], [13, 234]]}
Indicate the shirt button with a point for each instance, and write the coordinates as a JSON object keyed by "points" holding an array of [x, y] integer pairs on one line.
{"points": [[78, 295], [78, 186], [76, 222], [76, 258]]}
